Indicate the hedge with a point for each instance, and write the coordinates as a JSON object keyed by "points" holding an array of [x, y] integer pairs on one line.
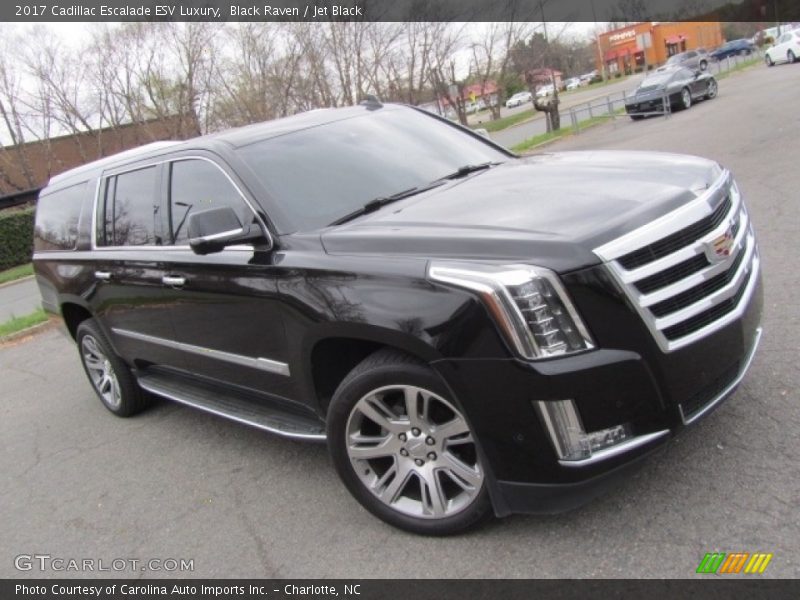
{"points": [[16, 237]]}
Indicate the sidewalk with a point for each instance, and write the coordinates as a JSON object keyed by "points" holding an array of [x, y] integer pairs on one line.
{"points": [[19, 298]]}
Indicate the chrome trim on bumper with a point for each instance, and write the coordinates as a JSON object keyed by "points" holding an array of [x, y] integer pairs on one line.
{"points": [[601, 455], [729, 388], [263, 364]]}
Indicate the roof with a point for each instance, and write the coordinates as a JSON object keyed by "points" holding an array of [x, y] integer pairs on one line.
{"points": [[240, 136]]}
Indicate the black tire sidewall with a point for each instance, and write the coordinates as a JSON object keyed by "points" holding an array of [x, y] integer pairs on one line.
{"points": [[345, 398], [132, 399]]}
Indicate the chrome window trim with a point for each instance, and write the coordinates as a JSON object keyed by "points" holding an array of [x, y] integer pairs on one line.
{"points": [[263, 364], [621, 448], [122, 170], [730, 387]]}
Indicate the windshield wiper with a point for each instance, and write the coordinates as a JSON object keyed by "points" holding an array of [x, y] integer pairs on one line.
{"points": [[467, 169], [381, 201]]}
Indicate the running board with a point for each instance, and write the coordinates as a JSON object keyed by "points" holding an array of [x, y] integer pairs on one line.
{"points": [[249, 411]]}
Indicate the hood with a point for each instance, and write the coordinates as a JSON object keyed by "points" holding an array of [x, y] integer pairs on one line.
{"points": [[550, 209]]}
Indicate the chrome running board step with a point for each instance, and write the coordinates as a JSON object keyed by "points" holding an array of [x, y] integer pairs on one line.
{"points": [[249, 410]]}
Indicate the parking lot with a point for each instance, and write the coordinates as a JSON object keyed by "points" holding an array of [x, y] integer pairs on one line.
{"points": [[76, 482]]}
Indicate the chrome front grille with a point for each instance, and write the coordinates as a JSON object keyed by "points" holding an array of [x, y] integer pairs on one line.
{"points": [[692, 271]]}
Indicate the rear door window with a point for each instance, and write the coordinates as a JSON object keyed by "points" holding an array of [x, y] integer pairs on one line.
{"points": [[129, 209]]}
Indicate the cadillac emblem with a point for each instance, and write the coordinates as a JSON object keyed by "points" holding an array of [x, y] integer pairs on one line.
{"points": [[720, 247]]}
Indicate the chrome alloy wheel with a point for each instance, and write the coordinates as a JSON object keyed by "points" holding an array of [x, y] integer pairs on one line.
{"points": [[686, 98], [711, 91], [414, 451], [100, 372]]}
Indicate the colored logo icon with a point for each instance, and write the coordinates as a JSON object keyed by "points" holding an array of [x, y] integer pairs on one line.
{"points": [[721, 563]]}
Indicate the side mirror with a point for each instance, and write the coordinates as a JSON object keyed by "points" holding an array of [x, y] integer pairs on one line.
{"points": [[482, 131], [213, 229]]}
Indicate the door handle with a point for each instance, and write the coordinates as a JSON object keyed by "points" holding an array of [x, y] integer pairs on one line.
{"points": [[102, 275], [173, 281]]}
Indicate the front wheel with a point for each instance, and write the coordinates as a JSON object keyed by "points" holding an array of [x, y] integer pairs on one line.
{"points": [[404, 448], [711, 89], [769, 61], [703, 65], [110, 377], [790, 56], [686, 98]]}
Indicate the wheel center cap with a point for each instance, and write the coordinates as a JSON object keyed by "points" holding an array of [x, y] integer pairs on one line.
{"points": [[417, 448]]}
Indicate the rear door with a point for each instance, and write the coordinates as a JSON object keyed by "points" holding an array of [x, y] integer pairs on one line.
{"points": [[128, 295], [224, 306]]}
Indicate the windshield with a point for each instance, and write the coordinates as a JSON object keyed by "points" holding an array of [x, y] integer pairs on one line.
{"points": [[318, 175], [676, 58]]}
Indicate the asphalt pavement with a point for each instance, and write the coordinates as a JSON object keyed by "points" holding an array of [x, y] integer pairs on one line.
{"points": [[19, 298], [76, 482]]}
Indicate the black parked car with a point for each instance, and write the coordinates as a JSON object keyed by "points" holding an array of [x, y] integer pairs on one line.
{"points": [[675, 86], [741, 47], [468, 330]]}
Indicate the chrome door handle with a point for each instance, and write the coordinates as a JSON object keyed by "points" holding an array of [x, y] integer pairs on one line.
{"points": [[173, 281], [102, 275]]}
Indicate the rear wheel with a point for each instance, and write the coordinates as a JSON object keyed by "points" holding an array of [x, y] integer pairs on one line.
{"points": [[703, 65], [110, 377], [404, 448], [769, 61]]}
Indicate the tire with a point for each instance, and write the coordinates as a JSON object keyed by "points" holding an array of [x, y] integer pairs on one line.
{"points": [[769, 61], [711, 89], [790, 56], [703, 65], [636, 117], [443, 490], [686, 98], [110, 377]]}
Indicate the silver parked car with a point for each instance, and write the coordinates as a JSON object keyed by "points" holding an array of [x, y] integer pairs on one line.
{"points": [[691, 59]]}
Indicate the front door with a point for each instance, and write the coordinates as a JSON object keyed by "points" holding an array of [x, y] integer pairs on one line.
{"points": [[224, 306]]}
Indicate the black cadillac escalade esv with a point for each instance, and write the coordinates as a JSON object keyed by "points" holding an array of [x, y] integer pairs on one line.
{"points": [[468, 330]]}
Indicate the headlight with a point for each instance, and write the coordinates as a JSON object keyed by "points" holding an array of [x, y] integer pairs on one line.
{"points": [[528, 303]]}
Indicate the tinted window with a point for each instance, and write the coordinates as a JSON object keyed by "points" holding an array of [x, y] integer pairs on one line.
{"points": [[320, 174], [196, 185], [57, 216], [130, 209]]}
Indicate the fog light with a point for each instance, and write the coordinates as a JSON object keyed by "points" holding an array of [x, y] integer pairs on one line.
{"points": [[570, 439]]}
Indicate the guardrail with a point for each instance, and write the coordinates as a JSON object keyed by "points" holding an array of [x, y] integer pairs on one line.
{"points": [[613, 105]]}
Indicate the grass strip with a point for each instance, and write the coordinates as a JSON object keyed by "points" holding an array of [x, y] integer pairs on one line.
{"points": [[18, 324], [15, 273]]}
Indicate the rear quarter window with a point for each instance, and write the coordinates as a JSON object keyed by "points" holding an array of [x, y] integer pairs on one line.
{"points": [[57, 219]]}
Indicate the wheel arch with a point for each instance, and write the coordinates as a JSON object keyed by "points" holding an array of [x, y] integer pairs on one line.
{"points": [[333, 353]]}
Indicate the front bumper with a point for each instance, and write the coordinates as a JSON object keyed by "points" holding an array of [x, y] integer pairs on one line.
{"points": [[656, 393]]}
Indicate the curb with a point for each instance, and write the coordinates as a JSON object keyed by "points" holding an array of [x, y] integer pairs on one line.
{"points": [[16, 281], [32, 330]]}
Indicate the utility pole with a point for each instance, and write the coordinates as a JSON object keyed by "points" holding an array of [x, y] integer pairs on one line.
{"points": [[597, 41]]}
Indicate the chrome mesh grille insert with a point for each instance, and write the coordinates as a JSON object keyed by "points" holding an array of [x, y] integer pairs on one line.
{"points": [[692, 271]]}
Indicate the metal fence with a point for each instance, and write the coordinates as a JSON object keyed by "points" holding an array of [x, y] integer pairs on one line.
{"points": [[612, 105]]}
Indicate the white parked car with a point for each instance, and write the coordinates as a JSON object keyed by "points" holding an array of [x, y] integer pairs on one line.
{"points": [[545, 90], [573, 83], [786, 48], [518, 99]]}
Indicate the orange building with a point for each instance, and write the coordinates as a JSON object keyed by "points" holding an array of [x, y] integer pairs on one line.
{"points": [[634, 47]]}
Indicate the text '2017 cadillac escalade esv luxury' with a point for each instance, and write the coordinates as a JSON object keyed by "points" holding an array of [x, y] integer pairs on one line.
{"points": [[470, 331]]}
